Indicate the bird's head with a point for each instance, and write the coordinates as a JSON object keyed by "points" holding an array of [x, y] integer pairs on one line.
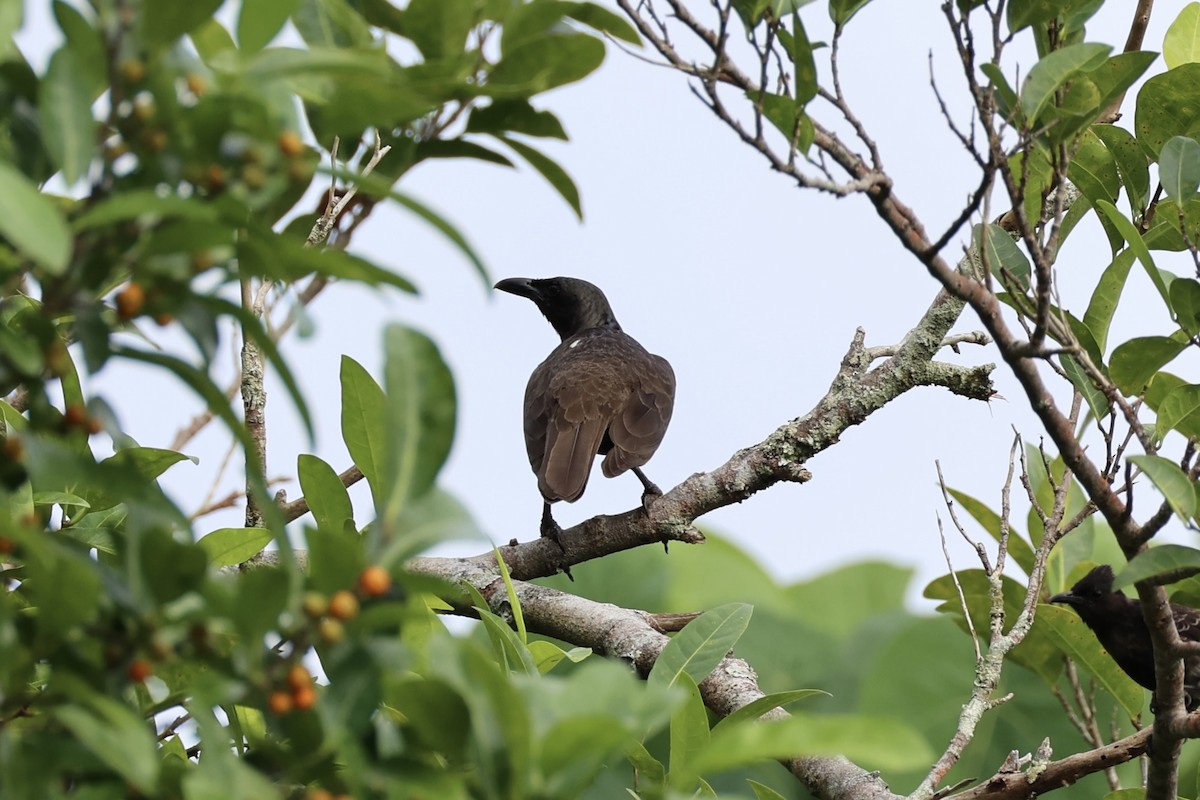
{"points": [[1092, 594], [570, 304]]}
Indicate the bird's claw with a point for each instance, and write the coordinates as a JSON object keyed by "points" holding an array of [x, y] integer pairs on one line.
{"points": [[551, 530]]}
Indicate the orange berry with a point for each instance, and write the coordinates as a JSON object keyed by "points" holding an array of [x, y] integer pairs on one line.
{"points": [[343, 605], [139, 670], [164, 318], [7, 546], [290, 144], [130, 301], [304, 699], [11, 448], [279, 703], [298, 677], [94, 426], [214, 178], [75, 416], [319, 794], [374, 581]]}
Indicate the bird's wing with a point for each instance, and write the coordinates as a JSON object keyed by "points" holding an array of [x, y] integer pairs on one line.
{"points": [[573, 431], [638, 426]]}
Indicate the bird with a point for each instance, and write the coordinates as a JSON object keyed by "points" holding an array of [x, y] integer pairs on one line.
{"points": [[1118, 623], [599, 392]]}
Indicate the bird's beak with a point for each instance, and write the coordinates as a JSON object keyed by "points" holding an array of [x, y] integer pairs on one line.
{"points": [[522, 287], [1065, 597]]}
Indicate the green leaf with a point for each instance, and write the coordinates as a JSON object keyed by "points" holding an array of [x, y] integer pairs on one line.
{"points": [[841, 11], [800, 52], [1179, 168], [1107, 294], [117, 736], [699, 647], [1169, 479], [1179, 410], [547, 655], [1000, 253], [1097, 401], [163, 23], [689, 731], [1131, 163], [750, 712], [1114, 77], [260, 20], [1132, 235], [31, 222], [418, 420], [1052, 72], [518, 116], [1094, 170], [545, 63], [228, 547], [1185, 301], [764, 792], [1181, 45], [364, 409], [335, 558], [880, 743], [324, 492], [331, 23], [145, 205], [841, 601], [65, 110], [435, 517], [439, 28], [435, 711], [1165, 558], [1134, 362], [1018, 548], [1163, 109], [551, 171], [514, 602], [1068, 632]]}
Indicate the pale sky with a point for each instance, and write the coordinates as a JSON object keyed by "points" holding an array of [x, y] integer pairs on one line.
{"points": [[751, 287]]}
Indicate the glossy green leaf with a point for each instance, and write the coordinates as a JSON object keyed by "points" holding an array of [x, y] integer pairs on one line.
{"points": [[1054, 70], [1181, 45], [419, 419], [764, 792], [1134, 362], [1185, 301], [228, 547], [439, 28], [1132, 164], [117, 736], [31, 222], [517, 116], [555, 175], [800, 51], [1163, 111], [1169, 479], [1114, 77], [260, 20], [545, 63], [65, 109], [699, 647], [749, 713], [1179, 168], [841, 11], [335, 558], [163, 23], [880, 743], [324, 492], [547, 655], [601, 19], [332, 23], [1096, 399], [1160, 560], [1094, 170], [689, 730], [435, 711], [1000, 254], [1179, 410], [1067, 630], [1106, 296], [364, 410], [1018, 548], [1137, 244]]}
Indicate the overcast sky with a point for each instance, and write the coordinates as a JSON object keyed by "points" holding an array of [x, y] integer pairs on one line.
{"points": [[751, 287]]}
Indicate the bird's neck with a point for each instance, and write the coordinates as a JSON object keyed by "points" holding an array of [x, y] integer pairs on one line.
{"points": [[576, 329]]}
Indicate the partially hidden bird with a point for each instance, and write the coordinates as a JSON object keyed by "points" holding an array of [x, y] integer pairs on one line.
{"points": [[1118, 623], [598, 393]]}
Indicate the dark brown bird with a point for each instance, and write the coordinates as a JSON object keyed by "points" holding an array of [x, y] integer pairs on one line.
{"points": [[598, 392], [1118, 623]]}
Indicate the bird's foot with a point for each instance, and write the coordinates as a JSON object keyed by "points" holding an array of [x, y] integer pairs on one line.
{"points": [[551, 530]]}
